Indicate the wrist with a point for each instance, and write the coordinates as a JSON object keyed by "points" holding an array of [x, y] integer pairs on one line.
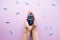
{"points": [[27, 30], [34, 28]]}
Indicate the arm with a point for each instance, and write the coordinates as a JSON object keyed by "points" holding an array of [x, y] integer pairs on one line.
{"points": [[27, 31], [35, 34], [26, 35], [34, 31]]}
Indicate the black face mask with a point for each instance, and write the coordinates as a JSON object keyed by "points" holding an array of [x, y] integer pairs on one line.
{"points": [[30, 19]]}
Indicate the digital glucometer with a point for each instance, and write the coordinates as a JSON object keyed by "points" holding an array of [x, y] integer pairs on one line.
{"points": [[30, 19]]}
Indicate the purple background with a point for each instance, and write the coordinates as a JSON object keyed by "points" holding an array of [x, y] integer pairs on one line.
{"points": [[14, 12]]}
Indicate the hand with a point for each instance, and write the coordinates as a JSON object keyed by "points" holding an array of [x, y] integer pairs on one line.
{"points": [[35, 23], [27, 26]]}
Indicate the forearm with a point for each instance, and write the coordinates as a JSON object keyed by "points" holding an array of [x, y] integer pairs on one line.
{"points": [[35, 34], [26, 35]]}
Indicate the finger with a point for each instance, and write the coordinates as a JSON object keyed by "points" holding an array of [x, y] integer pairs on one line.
{"points": [[35, 22], [30, 28], [30, 11], [26, 23]]}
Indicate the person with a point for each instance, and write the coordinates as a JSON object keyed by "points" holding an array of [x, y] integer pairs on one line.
{"points": [[29, 29]]}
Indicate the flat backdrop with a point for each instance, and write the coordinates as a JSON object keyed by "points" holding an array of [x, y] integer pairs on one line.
{"points": [[14, 12]]}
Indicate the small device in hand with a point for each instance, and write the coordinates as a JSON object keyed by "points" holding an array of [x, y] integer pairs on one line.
{"points": [[30, 19]]}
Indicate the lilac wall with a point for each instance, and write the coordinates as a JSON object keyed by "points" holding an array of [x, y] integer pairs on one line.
{"points": [[14, 12]]}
